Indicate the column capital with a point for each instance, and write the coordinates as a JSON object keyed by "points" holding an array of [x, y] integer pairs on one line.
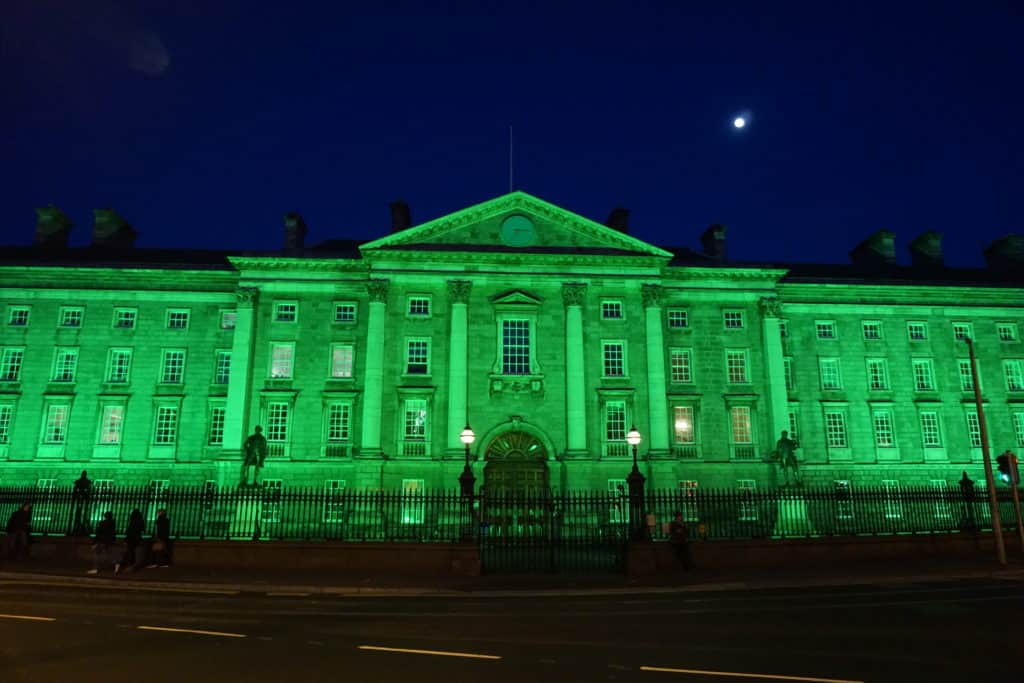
{"points": [[378, 290], [458, 291], [652, 295], [246, 296], [573, 293], [770, 307]]}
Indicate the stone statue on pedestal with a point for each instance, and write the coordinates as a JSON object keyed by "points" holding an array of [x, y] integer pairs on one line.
{"points": [[254, 453], [785, 455]]}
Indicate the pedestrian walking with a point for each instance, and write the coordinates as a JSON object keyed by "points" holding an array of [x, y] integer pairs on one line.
{"points": [[678, 536], [103, 543], [162, 549], [19, 528], [133, 557], [80, 496]]}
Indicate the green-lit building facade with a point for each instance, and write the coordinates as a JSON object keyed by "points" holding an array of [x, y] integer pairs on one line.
{"points": [[549, 333]]}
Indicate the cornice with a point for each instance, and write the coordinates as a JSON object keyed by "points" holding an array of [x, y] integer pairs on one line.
{"points": [[280, 263], [514, 258]]}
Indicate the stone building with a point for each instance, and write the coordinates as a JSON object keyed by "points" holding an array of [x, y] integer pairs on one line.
{"points": [[549, 333]]}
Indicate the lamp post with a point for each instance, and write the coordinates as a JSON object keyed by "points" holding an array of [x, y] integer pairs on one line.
{"points": [[635, 481], [997, 525], [466, 480]]}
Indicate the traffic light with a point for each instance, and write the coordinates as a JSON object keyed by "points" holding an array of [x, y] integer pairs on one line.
{"points": [[1003, 462]]}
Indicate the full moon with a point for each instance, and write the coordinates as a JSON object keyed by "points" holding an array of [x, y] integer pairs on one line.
{"points": [[739, 122]]}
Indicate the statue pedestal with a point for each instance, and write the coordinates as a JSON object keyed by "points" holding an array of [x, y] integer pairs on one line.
{"points": [[791, 519], [247, 515]]}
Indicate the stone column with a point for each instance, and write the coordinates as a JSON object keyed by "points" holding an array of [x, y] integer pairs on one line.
{"points": [[573, 294], [240, 380], [775, 370], [458, 375], [373, 386], [657, 400]]}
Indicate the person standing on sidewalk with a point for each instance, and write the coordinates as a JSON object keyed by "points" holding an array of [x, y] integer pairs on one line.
{"points": [[678, 536], [104, 542], [18, 528], [80, 495], [132, 540], [162, 549]]}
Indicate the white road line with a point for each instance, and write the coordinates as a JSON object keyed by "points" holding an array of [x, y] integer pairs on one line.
{"points": [[285, 594], [734, 674], [190, 630], [26, 617], [439, 653]]}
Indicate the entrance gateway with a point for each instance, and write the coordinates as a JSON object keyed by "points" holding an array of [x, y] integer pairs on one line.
{"points": [[516, 466]]}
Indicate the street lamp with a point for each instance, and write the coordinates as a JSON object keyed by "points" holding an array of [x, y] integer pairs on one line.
{"points": [[635, 480], [466, 479]]}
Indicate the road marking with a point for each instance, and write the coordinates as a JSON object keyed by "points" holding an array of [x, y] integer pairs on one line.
{"points": [[26, 617], [285, 594], [120, 587], [734, 674], [190, 630], [439, 653]]}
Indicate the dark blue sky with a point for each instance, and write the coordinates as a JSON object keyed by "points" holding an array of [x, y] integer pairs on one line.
{"points": [[202, 122]]}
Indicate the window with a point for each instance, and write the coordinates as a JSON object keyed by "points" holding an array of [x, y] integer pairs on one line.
{"points": [[11, 360], [973, 428], [878, 374], [56, 428], [787, 371], [931, 435], [222, 367], [65, 362], [281, 360], [611, 310], [794, 425], [733, 320], [917, 331], [688, 489], [71, 316], [177, 319], [228, 320], [614, 359], [891, 503], [6, 418], [515, 347], [119, 365], [940, 490], [835, 429], [825, 329], [271, 508], [966, 376], [124, 318], [783, 328], [277, 424], [172, 367], [165, 432], [844, 505], [962, 331], [1007, 331], [872, 329], [618, 509], [736, 366], [741, 426], [345, 312], [286, 312], [417, 357], [678, 318], [215, 437], [334, 507], [414, 430], [683, 425], [924, 374], [419, 306], [831, 378], [883, 424], [18, 316], [615, 428], [1014, 371], [111, 424], [341, 361], [748, 507], [680, 365], [1018, 428], [339, 418], [413, 504]]}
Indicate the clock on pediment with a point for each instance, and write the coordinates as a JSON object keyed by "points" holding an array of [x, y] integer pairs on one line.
{"points": [[518, 231]]}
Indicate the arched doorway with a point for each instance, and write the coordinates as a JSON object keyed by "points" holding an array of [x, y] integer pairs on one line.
{"points": [[516, 466]]}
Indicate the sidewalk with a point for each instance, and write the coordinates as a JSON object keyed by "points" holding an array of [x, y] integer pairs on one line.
{"points": [[210, 580]]}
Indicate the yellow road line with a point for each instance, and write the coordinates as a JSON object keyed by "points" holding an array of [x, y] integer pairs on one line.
{"points": [[191, 630], [700, 672], [439, 653], [26, 617]]}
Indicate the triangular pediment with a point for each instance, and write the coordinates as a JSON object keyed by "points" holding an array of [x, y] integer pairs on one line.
{"points": [[515, 222], [516, 297]]}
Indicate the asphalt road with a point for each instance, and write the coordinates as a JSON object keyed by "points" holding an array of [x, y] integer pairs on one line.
{"points": [[965, 631]]}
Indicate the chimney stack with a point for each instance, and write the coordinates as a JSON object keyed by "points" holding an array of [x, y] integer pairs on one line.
{"points": [[926, 250], [52, 228], [713, 241], [401, 218], [294, 233], [876, 251], [109, 229], [1006, 253], [618, 219]]}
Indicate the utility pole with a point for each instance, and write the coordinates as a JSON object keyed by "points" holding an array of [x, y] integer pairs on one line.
{"points": [[990, 482]]}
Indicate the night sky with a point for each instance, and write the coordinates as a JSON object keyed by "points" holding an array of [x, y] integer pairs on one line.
{"points": [[203, 122]]}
